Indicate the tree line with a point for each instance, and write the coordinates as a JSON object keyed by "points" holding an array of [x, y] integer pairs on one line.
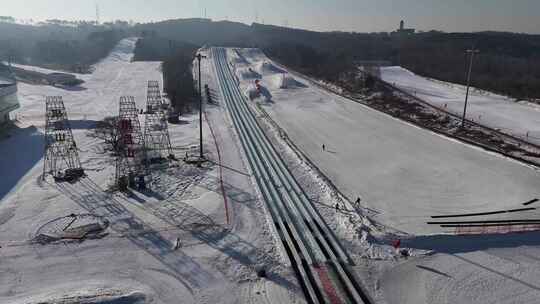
{"points": [[509, 63], [72, 54], [177, 59], [57, 45]]}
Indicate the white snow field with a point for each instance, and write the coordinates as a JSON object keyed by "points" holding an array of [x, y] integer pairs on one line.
{"points": [[135, 260], [474, 269], [496, 111], [404, 174]]}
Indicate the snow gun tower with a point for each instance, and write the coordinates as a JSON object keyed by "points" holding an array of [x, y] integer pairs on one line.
{"points": [[61, 155], [131, 160], [156, 133]]}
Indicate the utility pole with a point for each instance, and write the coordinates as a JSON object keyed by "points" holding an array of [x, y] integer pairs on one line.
{"points": [[199, 57], [471, 52]]}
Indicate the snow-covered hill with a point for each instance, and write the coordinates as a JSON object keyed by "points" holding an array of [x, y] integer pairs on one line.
{"points": [[492, 110], [404, 174], [138, 260]]}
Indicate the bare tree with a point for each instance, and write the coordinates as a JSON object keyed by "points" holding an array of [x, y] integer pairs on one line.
{"points": [[107, 130]]}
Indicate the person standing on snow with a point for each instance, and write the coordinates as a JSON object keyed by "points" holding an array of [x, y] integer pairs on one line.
{"points": [[396, 244], [178, 244]]}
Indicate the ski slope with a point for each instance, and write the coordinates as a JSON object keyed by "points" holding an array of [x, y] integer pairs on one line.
{"points": [[301, 228], [478, 269], [402, 173], [496, 111], [137, 260]]}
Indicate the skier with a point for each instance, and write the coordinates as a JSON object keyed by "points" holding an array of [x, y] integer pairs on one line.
{"points": [[323, 147], [178, 244]]}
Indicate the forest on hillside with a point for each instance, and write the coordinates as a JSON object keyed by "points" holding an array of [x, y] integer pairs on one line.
{"points": [[59, 45], [508, 63], [177, 60]]}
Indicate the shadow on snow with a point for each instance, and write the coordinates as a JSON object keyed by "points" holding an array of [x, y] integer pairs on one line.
{"points": [[178, 214], [20, 152]]}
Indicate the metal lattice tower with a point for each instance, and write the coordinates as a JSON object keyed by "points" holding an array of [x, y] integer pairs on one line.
{"points": [[131, 160], [156, 132], [61, 155]]}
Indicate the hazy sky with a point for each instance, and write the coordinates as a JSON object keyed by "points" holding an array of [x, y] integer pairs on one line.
{"points": [[348, 15]]}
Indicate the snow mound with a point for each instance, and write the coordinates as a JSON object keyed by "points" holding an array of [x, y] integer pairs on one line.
{"points": [[238, 60], [247, 73], [285, 81], [253, 53], [266, 68]]}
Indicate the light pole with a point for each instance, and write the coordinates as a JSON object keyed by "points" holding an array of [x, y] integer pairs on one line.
{"points": [[201, 156], [471, 52]]}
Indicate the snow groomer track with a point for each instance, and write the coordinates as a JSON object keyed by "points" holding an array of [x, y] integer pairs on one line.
{"points": [[321, 264]]}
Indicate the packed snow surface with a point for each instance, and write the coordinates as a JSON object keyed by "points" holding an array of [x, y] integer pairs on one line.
{"points": [[403, 175], [166, 245], [496, 111]]}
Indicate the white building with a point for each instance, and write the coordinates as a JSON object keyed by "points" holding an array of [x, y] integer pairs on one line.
{"points": [[8, 95]]}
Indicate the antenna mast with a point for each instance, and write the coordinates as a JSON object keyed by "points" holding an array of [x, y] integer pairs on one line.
{"points": [[97, 14]]}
